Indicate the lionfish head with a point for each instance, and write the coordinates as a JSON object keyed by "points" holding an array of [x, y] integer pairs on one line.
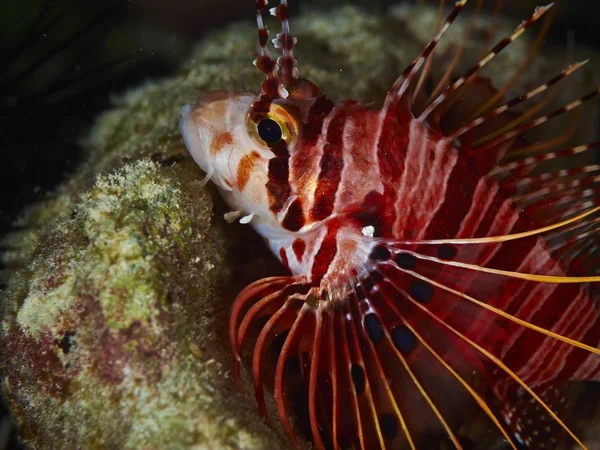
{"points": [[241, 140]]}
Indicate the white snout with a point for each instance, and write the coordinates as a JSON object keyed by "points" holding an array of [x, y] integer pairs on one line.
{"points": [[193, 139]]}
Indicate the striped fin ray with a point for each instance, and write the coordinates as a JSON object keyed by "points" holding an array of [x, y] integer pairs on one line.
{"points": [[547, 144], [419, 99], [517, 100], [457, 56], [523, 166], [552, 197], [497, 361], [403, 82], [535, 47], [436, 364], [425, 73], [499, 138], [368, 387], [378, 332], [402, 281], [563, 175], [537, 14], [493, 140], [517, 278], [376, 379]]}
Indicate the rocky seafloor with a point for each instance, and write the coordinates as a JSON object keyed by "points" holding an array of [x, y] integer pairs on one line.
{"points": [[114, 324]]}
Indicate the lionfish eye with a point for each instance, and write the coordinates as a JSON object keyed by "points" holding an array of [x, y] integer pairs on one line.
{"points": [[280, 124], [269, 131]]}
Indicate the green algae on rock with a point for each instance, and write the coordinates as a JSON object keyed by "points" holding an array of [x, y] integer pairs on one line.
{"points": [[112, 331], [97, 353]]}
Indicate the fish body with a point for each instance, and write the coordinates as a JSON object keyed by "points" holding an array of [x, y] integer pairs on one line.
{"points": [[422, 273]]}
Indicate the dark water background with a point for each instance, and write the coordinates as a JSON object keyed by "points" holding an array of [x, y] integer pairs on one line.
{"points": [[60, 61]]}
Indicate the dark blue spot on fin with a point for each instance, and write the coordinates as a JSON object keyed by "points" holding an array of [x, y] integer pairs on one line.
{"points": [[358, 377], [404, 340], [367, 285], [406, 261], [447, 251], [421, 291], [380, 253], [389, 425], [373, 327]]}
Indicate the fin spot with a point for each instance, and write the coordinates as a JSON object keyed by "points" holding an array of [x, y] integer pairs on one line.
{"points": [[403, 339], [447, 251], [406, 261], [361, 294], [373, 327], [368, 283], [421, 291], [389, 425], [358, 377], [380, 253]]}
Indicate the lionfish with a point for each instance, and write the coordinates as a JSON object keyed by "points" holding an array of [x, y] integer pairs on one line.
{"points": [[436, 259]]}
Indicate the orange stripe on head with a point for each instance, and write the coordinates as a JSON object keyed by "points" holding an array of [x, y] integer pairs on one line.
{"points": [[219, 141], [245, 167]]}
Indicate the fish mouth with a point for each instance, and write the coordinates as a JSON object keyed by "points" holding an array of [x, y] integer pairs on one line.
{"points": [[198, 147], [193, 141]]}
